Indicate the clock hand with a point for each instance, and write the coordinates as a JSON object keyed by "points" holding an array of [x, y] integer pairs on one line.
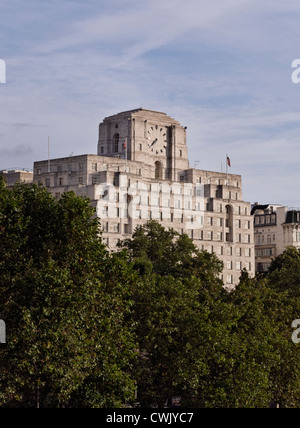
{"points": [[152, 144]]}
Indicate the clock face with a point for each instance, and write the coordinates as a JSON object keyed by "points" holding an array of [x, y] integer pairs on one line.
{"points": [[157, 139]]}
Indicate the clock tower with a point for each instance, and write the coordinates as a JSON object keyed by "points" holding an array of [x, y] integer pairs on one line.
{"points": [[146, 136]]}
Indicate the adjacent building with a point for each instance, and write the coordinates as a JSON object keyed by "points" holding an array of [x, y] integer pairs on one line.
{"points": [[142, 172], [13, 176], [276, 227]]}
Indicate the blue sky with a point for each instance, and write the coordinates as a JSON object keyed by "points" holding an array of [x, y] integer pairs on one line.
{"points": [[220, 67]]}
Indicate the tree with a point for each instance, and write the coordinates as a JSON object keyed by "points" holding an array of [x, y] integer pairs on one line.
{"points": [[154, 249], [173, 300], [65, 316], [284, 278], [208, 346]]}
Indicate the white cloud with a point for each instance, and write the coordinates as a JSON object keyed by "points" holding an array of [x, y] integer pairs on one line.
{"points": [[221, 68]]}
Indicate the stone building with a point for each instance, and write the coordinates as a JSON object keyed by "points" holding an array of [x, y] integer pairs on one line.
{"points": [[13, 176], [142, 172], [275, 228]]}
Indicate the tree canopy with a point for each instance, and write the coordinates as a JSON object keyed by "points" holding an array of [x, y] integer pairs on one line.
{"points": [[64, 300], [91, 328]]}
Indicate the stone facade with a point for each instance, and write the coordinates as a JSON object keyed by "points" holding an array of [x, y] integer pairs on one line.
{"points": [[275, 228], [142, 172], [17, 176]]}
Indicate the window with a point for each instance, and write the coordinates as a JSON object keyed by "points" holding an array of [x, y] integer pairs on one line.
{"points": [[220, 251], [158, 170], [101, 150], [180, 153], [60, 181], [80, 180], [117, 228], [229, 279], [239, 252], [47, 182], [116, 141], [238, 265]]}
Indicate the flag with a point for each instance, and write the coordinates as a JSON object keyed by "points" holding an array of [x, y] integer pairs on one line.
{"points": [[228, 161], [125, 144]]}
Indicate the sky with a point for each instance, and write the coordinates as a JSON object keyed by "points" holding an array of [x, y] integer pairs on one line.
{"points": [[222, 68]]}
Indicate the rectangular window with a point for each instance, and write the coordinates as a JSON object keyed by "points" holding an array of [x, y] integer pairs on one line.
{"points": [[238, 265], [229, 279]]}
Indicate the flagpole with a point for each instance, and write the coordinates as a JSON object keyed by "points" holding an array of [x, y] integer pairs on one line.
{"points": [[126, 156], [48, 154], [226, 169]]}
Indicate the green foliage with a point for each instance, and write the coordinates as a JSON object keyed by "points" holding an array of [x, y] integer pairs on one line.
{"points": [[65, 315], [86, 328], [210, 347]]}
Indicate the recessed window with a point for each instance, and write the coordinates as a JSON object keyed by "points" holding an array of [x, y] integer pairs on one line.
{"points": [[116, 141]]}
